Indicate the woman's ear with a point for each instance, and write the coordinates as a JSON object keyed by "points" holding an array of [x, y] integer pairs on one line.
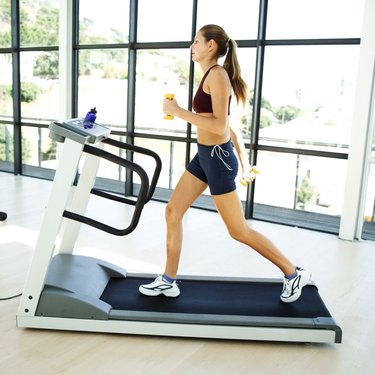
{"points": [[211, 44]]}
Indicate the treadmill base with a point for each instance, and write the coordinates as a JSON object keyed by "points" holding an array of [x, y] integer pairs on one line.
{"points": [[182, 330], [87, 294]]}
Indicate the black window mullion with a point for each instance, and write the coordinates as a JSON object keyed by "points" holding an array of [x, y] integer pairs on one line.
{"points": [[16, 92], [75, 58], [132, 62], [255, 125], [191, 82]]}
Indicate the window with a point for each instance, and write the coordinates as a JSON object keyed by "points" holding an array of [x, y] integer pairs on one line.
{"points": [[102, 83], [294, 181], [239, 18], [172, 155], [5, 21], [39, 23], [368, 230], [308, 96], [172, 23], [39, 86], [6, 147], [104, 24], [370, 198], [295, 19], [160, 72], [38, 150], [296, 122], [6, 102]]}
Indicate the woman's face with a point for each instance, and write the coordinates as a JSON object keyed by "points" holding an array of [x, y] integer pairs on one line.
{"points": [[199, 47]]}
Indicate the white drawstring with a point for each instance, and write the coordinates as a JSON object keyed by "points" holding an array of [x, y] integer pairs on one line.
{"points": [[217, 149]]}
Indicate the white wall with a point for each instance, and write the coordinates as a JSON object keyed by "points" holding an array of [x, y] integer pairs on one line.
{"points": [[362, 130]]}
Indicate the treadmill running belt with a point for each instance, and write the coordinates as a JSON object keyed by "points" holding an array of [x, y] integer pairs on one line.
{"points": [[216, 297]]}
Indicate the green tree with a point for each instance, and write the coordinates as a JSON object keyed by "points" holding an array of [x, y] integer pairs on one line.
{"points": [[265, 116], [306, 191], [29, 92], [286, 113], [44, 31], [47, 65], [263, 104], [5, 22], [7, 146], [50, 153], [182, 69]]}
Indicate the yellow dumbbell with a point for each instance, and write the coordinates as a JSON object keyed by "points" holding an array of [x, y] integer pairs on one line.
{"points": [[253, 169], [170, 97]]}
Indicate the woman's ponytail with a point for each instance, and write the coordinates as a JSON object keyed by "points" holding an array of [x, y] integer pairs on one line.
{"points": [[228, 47], [233, 69]]}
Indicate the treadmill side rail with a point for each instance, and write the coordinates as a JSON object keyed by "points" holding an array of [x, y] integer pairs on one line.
{"points": [[330, 323], [182, 330]]}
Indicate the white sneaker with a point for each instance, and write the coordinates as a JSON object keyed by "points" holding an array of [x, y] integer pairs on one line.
{"points": [[293, 287], [160, 286]]}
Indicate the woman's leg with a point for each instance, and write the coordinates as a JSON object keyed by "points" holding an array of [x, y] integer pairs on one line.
{"points": [[188, 189], [230, 208]]}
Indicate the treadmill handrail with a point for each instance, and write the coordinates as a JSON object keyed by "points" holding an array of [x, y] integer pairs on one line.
{"points": [[141, 150], [143, 197]]}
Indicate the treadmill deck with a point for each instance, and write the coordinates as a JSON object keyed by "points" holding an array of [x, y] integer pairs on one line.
{"points": [[218, 301]]}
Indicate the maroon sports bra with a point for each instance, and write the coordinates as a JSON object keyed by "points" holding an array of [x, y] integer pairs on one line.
{"points": [[202, 101]]}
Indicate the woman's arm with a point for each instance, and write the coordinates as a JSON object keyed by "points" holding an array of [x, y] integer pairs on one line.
{"points": [[219, 88], [238, 143]]}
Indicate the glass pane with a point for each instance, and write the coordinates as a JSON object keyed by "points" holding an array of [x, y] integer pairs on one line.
{"points": [[308, 183], [111, 170], [160, 72], [103, 83], [164, 20], [370, 196], [6, 143], [172, 155], [39, 23], [101, 23], [38, 149], [39, 86], [6, 102], [5, 22], [308, 96], [296, 19], [239, 18], [368, 231]]}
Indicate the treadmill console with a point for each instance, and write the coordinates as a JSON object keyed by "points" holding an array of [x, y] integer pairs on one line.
{"points": [[79, 130]]}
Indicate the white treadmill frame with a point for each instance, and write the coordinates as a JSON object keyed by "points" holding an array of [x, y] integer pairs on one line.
{"points": [[45, 249]]}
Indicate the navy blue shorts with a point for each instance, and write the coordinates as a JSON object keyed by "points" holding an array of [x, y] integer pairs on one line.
{"points": [[217, 166]]}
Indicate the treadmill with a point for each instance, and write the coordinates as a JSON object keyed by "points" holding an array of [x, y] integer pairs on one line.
{"points": [[66, 291]]}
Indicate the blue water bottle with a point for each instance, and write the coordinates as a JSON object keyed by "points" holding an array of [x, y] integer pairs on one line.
{"points": [[90, 118]]}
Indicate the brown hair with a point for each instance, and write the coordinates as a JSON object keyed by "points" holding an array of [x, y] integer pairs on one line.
{"points": [[227, 46]]}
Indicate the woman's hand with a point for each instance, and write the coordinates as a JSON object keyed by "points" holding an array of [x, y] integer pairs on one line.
{"points": [[248, 174], [170, 107]]}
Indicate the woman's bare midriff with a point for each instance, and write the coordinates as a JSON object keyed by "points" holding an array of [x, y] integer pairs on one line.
{"points": [[210, 139]]}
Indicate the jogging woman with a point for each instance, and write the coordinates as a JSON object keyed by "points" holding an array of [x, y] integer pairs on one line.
{"points": [[216, 166]]}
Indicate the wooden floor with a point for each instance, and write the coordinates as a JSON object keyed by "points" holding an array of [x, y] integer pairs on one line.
{"points": [[343, 271]]}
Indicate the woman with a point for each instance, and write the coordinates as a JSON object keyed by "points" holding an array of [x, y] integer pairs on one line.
{"points": [[216, 165]]}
